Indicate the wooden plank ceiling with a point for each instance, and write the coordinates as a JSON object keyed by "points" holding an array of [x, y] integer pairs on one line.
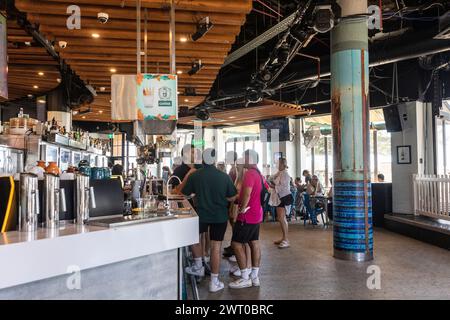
{"points": [[267, 109], [115, 48], [31, 70]]}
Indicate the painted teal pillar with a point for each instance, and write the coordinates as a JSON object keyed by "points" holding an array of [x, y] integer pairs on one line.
{"points": [[352, 204]]}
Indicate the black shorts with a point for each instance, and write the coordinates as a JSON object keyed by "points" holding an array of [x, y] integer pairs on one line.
{"points": [[244, 232], [286, 201], [216, 230]]}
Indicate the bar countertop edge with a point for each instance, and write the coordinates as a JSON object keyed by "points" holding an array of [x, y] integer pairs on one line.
{"points": [[49, 253]]}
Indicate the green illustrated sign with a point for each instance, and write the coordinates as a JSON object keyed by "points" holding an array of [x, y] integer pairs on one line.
{"points": [[157, 97]]}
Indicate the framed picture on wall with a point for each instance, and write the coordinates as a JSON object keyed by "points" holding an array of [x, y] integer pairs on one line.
{"points": [[403, 154]]}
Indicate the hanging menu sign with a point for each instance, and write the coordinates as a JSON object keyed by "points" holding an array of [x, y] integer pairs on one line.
{"points": [[157, 97], [3, 59]]}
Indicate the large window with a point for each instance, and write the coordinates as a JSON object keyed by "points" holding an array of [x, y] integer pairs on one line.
{"points": [[184, 137], [241, 138], [443, 146], [240, 144], [131, 156], [323, 159], [384, 156], [117, 145], [319, 159]]}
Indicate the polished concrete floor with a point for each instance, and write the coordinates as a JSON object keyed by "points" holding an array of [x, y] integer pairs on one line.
{"points": [[409, 269]]}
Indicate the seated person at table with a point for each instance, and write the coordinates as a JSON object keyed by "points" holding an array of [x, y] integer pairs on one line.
{"points": [[314, 188], [299, 185], [299, 196]]}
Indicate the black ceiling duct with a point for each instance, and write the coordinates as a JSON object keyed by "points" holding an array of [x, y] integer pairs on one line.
{"points": [[56, 100], [106, 127]]}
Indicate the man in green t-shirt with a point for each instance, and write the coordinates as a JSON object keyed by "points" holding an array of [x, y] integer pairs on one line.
{"points": [[213, 191]]}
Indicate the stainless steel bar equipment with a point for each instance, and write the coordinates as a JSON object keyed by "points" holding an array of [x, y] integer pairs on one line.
{"points": [[52, 196], [82, 198], [29, 202]]}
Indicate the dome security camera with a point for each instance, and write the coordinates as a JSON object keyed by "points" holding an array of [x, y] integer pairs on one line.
{"points": [[62, 44], [102, 17]]}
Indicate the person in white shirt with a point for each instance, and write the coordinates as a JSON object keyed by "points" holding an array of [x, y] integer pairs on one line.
{"points": [[314, 189], [281, 183]]}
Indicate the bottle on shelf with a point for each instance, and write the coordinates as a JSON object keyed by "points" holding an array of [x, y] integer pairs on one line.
{"points": [[54, 127]]}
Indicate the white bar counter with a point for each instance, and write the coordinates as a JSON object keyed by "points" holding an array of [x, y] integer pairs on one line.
{"points": [[46, 253]]}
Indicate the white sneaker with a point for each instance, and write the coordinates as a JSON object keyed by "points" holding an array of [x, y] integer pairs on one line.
{"points": [[216, 286], [284, 244], [256, 282], [193, 270], [232, 259], [240, 284], [234, 269], [237, 273]]}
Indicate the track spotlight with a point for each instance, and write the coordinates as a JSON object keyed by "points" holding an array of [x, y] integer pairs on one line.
{"points": [[253, 96], [196, 67], [266, 75], [323, 18], [202, 114], [190, 92], [202, 28]]}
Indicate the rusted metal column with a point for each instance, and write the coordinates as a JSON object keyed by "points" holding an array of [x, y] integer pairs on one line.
{"points": [[352, 205]]}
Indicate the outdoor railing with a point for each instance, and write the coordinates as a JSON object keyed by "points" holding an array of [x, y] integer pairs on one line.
{"points": [[432, 196]]}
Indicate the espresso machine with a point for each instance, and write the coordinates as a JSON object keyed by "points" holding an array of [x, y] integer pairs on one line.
{"points": [[28, 202], [84, 197]]}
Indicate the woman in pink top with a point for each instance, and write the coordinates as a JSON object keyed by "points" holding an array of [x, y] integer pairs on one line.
{"points": [[234, 208], [246, 228]]}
